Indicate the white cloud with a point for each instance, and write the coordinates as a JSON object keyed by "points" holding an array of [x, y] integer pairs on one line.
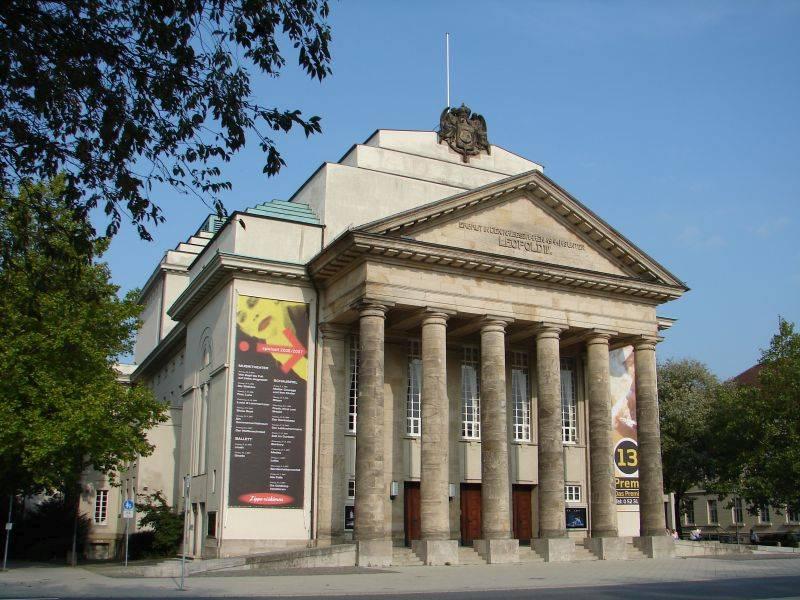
{"points": [[691, 235], [772, 227]]}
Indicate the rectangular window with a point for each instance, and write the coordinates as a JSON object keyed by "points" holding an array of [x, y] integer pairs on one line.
{"points": [[792, 515], [352, 393], [713, 516], [351, 488], [212, 523], [470, 395], [202, 444], [520, 397], [688, 510], [763, 514], [101, 507], [414, 392], [572, 493], [569, 408], [737, 511]]}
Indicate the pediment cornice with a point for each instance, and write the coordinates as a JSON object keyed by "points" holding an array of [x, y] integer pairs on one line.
{"points": [[359, 246], [571, 212]]}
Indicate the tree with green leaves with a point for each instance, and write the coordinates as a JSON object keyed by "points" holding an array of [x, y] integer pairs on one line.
{"points": [[756, 429], [123, 95], [686, 391], [62, 324]]}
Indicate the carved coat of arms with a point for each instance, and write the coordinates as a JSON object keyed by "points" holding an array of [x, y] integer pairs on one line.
{"points": [[464, 131]]}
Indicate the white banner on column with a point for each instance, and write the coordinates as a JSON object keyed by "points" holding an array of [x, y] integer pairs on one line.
{"points": [[625, 439]]}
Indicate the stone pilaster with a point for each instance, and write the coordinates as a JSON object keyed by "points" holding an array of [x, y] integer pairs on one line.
{"points": [[551, 447], [374, 545], [330, 470], [651, 483], [603, 504], [495, 483]]}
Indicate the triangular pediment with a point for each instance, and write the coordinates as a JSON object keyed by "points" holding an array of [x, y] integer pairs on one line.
{"points": [[526, 217]]}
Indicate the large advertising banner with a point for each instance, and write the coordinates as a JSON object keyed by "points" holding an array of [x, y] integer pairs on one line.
{"points": [[623, 418], [268, 421]]}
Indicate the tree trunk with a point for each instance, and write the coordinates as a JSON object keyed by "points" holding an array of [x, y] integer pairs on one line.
{"points": [[678, 504]]}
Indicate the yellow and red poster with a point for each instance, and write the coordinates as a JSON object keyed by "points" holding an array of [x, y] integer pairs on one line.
{"points": [[623, 419], [268, 421]]}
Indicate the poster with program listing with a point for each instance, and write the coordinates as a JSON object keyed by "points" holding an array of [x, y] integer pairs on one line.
{"points": [[623, 418], [268, 420]]}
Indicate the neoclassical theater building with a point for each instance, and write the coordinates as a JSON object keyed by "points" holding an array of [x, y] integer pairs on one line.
{"points": [[430, 344]]}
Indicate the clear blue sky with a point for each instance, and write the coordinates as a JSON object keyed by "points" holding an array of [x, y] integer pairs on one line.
{"points": [[678, 123]]}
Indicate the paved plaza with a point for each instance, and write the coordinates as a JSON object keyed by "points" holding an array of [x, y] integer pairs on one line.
{"points": [[753, 576]]}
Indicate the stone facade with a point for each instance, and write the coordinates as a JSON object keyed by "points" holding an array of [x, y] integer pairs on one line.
{"points": [[449, 304]]}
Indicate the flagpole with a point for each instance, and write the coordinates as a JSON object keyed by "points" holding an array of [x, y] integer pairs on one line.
{"points": [[447, 67]]}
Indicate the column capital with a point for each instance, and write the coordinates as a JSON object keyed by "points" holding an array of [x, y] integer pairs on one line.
{"points": [[333, 331], [494, 323], [436, 315], [371, 308], [546, 329], [599, 336], [646, 342]]}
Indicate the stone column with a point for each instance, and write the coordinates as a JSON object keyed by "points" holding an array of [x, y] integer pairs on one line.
{"points": [[435, 547], [330, 470], [374, 546], [497, 544], [651, 483], [551, 446], [553, 543], [603, 504], [604, 541]]}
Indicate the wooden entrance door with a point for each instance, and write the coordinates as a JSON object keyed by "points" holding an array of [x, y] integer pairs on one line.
{"points": [[470, 513], [411, 511], [521, 502]]}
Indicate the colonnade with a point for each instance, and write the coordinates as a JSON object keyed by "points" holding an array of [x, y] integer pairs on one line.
{"points": [[371, 484]]}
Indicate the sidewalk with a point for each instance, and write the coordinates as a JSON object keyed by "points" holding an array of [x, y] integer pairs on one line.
{"points": [[48, 581]]}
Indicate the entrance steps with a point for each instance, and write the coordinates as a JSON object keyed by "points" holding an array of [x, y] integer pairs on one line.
{"points": [[468, 556], [583, 553], [529, 555], [404, 557], [632, 552]]}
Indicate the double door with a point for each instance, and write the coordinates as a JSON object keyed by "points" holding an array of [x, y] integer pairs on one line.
{"points": [[521, 496]]}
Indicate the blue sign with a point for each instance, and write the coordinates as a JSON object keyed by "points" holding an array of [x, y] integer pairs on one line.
{"points": [[127, 505]]}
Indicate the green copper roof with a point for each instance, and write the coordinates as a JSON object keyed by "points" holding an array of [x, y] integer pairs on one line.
{"points": [[289, 211]]}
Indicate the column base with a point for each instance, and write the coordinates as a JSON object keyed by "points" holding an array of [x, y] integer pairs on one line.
{"points": [[498, 551], [436, 552], [608, 548], [555, 549], [656, 546], [374, 553]]}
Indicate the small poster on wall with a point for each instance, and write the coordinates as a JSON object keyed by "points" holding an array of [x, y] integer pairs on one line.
{"points": [[576, 517], [268, 421]]}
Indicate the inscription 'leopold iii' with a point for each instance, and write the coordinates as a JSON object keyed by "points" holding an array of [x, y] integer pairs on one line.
{"points": [[535, 243]]}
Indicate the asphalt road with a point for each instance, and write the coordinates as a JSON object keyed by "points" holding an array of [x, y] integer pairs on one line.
{"points": [[754, 588]]}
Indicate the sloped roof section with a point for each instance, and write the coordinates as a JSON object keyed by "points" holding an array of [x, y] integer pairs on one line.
{"points": [[551, 197], [287, 211]]}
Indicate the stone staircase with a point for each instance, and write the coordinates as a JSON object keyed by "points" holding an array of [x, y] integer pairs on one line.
{"points": [[468, 556], [528, 555], [633, 553], [404, 557], [582, 552]]}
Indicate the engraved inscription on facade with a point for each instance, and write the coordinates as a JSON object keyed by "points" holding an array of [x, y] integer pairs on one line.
{"points": [[523, 241]]}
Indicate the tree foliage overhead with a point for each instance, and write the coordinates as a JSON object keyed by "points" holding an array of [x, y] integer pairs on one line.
{"points": [[686, 390], [124, 94], [756, 451], [62, 324]]}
